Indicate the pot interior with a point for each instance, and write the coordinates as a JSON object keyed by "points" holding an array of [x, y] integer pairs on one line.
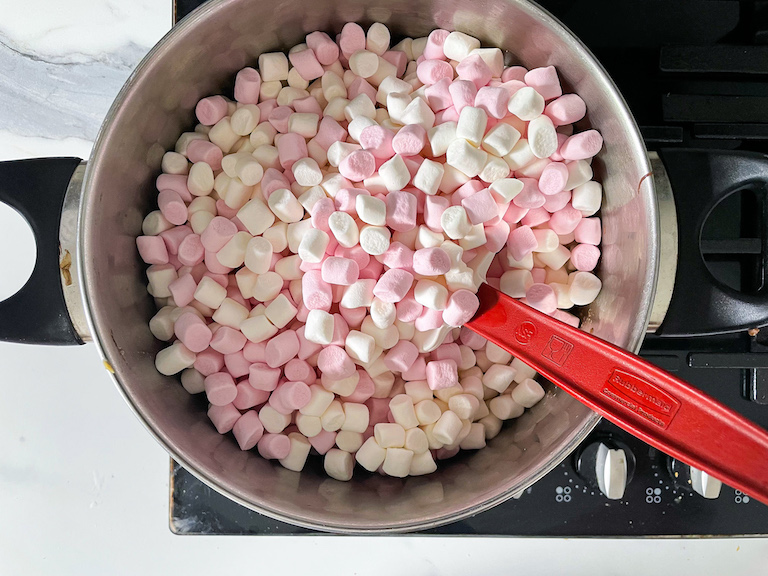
{"points": [[200, 57]]}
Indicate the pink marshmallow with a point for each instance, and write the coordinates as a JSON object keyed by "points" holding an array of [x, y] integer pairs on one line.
{"points": [[398, 255], [340, 330], [353, 316], [531, 196], [433, 49], [220, 388], [471, 339], [306, 64], [177, 182], [429, 320], [463, 93], [329, 131], [409, 140], [248, 396], [582, 145], [588, 231], [279, 119], [204, 151], [307, 349], [236, 364], [521, 242], [434, 206], [393, 285], [431, 261], [351, 39], [209, 362], [438, 95], [442, 374], [553, 178], [265, 109], [378, 141], [172, 207], [361, 86], [358, 166], [346, 199], [298, 370], [566, 109], [290, 396], [539, 275], [248, 430], [447, 351], [247, 86], [316, 293], [493, 100], [308, 105], [218, 232], [418, 371], [192, 331], [408, 309], [254, 352], [152, 249], [450, 114], [321, 211], [210, 110], [496, 236], [556, 201], [465, 191], [565, 220], [340, 271], [325, 49], [273, 180], [431, 71], [514, 73], [536, 217], [228, 340], [401, 356], [584, 258], [290, 146], [480, 207], [281, 348], [223, 417], [355, 253], [401, 211], [323, 441], [263, 377], [335, 363], [545, 82], [541, 297], [461, 308], [191, 251], [274, 446], [398, 59], [474, 69], [183, 289]]}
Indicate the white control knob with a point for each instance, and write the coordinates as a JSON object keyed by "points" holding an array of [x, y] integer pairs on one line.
{"points": [[704, 484], [611, 471]]}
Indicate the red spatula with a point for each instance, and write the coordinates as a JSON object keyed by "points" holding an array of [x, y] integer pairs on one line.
{"points": [[644, 400]]}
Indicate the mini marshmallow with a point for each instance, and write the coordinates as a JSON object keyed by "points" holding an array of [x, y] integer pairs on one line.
{"points": [[371, 210], [465, 157], [527, 393], [370, 455], [374, 240], [273, 66], [458, 46], [471, 125], [455, 222], [526, 104]]}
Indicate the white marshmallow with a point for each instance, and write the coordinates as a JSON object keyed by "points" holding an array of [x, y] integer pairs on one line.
{"points": [[313, 245], [339, 464], [223, 136], [333, 86], [319, 327], [504, 407], [230, 313], [499, 377], [272, 420], [416, 441], [200, 179], [288, 94], [377, 39], [429, 176], [295, 233], [494, 59], [397, 102], [427, 412], [258, 255], [520, 156], [389, 435], [319, 400], [154, 223], [335, 109], [297, 455], [370, 455], [360, 105], [277, 235], [474, 238], [262, 135], [526, 104], [232, 254], [333, 417], [359, 294], [587, 197], [245, 119], [382, 313], [463, 405], [563, 293], [431, 294], [397, 462], [554, 259], [356, 417], [344, 229], [403, 412], [340, 150], [295, 80], [475, 440], [267, 286], [447, 428], [428, 239], [471, 125], [465, 157], [389, 85], [579, 172], [360, 346], [584, 288], [267, 156], [385, 338], [395, 173], [422, 464], [309, 426], [418, 390], [285, 206], [495, 169], [359, 124], [192, 381], [309, 198], [258, 329], [343, 387], [500, 139], [455, 222], [458, 46], [307, 172], [160, 277], [161, 324], [210, 292], [523, 371], [515, 283], [492, 426], [418, 112], [542, 137], [374, 240], [174, 359], [273, 66], [364, 63], [528, 393], [174, 163], [371, 210], [349, 441], [547, 240], [504, 190]]}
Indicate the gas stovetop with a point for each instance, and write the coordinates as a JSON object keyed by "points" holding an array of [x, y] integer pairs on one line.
{"points": [[695, 75]]}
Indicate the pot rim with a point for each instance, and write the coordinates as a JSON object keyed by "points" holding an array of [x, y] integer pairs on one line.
{"points": [[645, 187]]}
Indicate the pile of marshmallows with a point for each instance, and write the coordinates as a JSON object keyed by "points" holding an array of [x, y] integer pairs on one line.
{"points": [[321, 237]]}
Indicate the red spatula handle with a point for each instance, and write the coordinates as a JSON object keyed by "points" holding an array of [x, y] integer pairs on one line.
{"points": [[648, 402]]}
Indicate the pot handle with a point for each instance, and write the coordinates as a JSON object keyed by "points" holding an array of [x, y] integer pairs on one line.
{"points": [[37, 313], [700, 304]]}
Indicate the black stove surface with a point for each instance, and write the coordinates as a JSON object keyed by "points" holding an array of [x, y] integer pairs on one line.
{"points": [[695, 75]]}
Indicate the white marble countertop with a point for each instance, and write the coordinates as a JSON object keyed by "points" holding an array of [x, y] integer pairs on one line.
{"points": [[83, 488]]}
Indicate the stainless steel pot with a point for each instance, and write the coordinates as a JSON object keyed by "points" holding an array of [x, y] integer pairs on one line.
{"points": [[103, 287]]}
